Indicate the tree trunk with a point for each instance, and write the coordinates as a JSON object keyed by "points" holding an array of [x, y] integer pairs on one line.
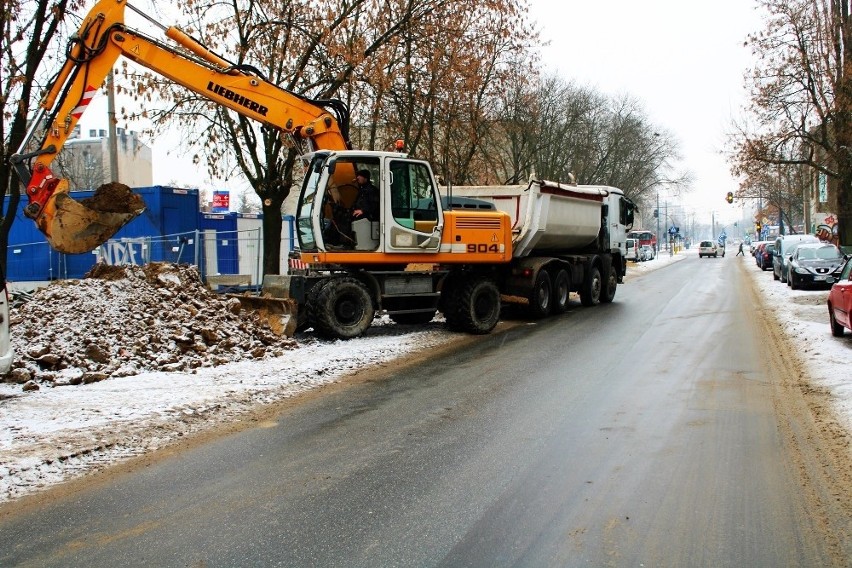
{"points": [[844, 211], [272, 223]]}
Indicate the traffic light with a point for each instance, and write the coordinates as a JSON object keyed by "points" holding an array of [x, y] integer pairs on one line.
{"points": [[758, 227], [656, 213], [730, 197]]}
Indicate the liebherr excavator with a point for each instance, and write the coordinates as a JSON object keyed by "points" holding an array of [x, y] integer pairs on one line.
{"points": [[420, 253]]}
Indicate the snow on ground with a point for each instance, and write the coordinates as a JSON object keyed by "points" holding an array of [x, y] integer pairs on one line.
{"points": [[56, 434]]}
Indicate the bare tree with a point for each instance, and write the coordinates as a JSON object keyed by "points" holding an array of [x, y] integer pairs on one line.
{"points": [[559, 129], [800, 112], [779, 190], [27, 28], [82, 166]]}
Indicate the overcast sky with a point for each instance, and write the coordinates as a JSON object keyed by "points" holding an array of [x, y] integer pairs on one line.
{"points": [[684, 60]]}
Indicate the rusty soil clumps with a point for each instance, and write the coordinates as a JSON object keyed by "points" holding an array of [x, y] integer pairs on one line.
{"points": [[125, 320], [114, 198]]}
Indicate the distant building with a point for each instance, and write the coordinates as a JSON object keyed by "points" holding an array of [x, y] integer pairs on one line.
{"points": [[84, 161]]}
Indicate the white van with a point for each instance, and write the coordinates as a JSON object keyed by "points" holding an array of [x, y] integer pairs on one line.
{"points": [[633, 250]]}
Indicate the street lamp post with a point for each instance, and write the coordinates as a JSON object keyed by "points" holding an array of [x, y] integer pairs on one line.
{"points": [[658, 223]]}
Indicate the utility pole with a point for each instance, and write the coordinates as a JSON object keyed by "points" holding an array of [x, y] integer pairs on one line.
{"points": [[658, 223], [113, 141]]}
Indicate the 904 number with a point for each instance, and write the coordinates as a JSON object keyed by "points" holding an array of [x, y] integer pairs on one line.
{"points": [[483, 248]]}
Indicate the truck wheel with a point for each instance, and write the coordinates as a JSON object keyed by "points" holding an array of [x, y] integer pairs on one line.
{"points": [[473, 306], [342, 309], [590, 294], [419, 318], [609, 285], [561, 290], [540, 295]]}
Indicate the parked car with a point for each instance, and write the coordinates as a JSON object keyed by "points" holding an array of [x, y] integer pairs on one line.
{"points": [[633, 250], [812, 264], [756, 253], [6, 353], [755, 246], [763, 255], [840, 301], [647, 252], [785, 245], [708, 248]]}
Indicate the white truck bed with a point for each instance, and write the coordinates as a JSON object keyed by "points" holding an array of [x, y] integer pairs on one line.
{"points": [[546, 216]]}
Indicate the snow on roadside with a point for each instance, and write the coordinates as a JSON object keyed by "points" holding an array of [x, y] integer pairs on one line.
{"points": [[53, 435], [803, 317]]}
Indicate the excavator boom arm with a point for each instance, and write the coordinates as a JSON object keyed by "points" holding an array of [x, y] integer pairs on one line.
{"points": [[92, 54]]}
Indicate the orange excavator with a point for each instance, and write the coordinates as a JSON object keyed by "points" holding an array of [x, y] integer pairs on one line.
{"points": [[74, 227], [418, 250]]}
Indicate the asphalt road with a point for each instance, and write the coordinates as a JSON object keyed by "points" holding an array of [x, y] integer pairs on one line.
{"points": [[648, 432]]}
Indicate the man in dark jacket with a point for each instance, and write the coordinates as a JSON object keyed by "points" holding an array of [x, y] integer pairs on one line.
{"points": [[367, 202]]}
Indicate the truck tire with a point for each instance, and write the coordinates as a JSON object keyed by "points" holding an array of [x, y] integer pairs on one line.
{"points": [[540, 296], [610, 284], [561, 290], [418, 318], [342, 309], [473, 306], [590, 293]]}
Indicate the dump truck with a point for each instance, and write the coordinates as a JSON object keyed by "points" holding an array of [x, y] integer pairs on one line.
{"points": [[461, 251], [464, 251]]}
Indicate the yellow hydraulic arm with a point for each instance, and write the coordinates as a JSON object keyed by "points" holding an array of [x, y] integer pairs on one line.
{"points": [[72, 227]]}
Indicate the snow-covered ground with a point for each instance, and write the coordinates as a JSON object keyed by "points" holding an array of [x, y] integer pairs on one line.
{"points": [[56, 434]]}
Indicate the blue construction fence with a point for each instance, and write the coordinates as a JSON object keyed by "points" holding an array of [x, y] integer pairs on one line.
{"points": [[227, 248]]}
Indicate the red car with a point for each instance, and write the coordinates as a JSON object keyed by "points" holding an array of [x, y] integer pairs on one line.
{"points": [[840, 302]]}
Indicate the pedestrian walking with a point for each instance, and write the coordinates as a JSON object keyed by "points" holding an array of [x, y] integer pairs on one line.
{"points": [[740, 252]]}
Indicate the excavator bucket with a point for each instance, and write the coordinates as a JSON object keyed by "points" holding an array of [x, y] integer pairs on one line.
{"points": [[75, 227], [279, 313]]}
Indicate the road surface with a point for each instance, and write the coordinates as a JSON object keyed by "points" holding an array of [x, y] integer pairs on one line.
{"points": [[649, 432]]}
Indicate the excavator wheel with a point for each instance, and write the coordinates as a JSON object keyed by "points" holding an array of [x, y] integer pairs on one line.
{"points": [[342, 309], [309, 313], [473, 306]]}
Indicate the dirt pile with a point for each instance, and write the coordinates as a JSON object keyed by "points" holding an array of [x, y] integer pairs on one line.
{"points": [[123, 320], [114, 198]]}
